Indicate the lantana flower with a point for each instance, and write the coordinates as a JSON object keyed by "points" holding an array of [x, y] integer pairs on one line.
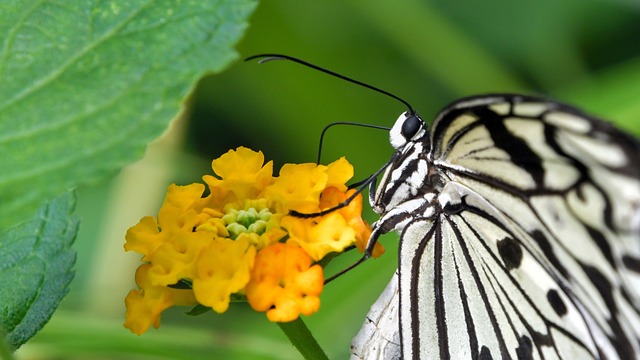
{"points": [[242, 241]]}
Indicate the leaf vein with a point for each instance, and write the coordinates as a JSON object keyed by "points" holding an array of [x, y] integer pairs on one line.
{"points": [[56, 73]]}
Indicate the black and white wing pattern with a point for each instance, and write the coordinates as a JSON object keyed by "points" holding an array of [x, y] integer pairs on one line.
{"points": [[520, 232], [379, 337]]}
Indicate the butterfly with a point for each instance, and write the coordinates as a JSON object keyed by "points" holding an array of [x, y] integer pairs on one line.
{"points": [[519, 223]]}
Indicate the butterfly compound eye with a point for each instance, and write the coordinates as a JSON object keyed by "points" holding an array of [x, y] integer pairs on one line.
{"points": [[411, 126], [405, 129]]}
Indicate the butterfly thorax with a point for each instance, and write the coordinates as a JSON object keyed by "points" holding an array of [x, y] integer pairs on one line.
{"points": [[411, 175]]}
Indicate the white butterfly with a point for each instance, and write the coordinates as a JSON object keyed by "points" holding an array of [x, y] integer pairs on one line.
{"points": [[519, 222]]}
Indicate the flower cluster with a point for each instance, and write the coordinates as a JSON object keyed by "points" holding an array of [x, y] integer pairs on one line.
{"points": [[241, 239]]}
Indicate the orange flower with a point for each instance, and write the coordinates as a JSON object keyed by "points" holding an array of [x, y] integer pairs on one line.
{"points": [[284, 283]]}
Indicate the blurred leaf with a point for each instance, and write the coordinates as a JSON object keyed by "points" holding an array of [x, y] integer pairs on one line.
{"points": [[86, 85], [611, 94], [198, 310], [77, 335], [442, 47], [35, 268]]}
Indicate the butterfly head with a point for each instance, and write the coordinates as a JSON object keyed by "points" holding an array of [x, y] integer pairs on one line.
{"points": [[407, 174], [407, 127]]}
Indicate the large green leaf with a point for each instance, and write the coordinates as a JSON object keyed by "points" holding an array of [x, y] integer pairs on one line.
{"points": [[86, 85], [36, 263]]}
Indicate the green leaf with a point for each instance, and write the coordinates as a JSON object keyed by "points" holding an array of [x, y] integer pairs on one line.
{"points": [[80, 335], [463, 54], [87, 85], [198, 310], [35, 269], [611, 94]]}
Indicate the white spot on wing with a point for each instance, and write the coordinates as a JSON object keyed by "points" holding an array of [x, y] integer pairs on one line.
{"points": [[559, 175], [529, 109], [602, 152], [501, 108], [568, 121]]}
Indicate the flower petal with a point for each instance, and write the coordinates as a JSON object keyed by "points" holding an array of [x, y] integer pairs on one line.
{"points": [[223, 268], [144, 306], [284, 283], [178, 200], [144, 237], [298, 187], [242, 176], [339, 172]]}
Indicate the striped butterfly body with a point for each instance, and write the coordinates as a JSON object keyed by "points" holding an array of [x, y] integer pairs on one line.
{"points": [[520, 236]]}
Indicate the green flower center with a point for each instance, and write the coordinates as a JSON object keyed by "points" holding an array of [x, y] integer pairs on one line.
{"points": [[248, 220]]}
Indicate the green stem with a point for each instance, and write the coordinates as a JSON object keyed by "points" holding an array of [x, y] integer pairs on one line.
{"points": [[300, 336]]}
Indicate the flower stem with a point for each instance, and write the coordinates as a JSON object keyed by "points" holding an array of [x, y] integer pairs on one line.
{"points": [[300, 336]]}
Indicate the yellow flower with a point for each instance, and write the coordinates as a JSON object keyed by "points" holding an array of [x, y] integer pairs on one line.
{"points": [[333, 232], [338, 173], [174, 259], [319, 237], [297, 188], [284, 283], [242, 239], [223, 269], [351, 213], [241, 176], [144, 306], [148, 235]]}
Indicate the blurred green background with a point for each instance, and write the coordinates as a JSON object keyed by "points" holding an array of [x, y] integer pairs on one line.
{"points": [[584, 52]]}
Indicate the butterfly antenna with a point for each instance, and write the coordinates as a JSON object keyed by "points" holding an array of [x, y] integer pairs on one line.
{"points": [[271, 57], [361, 185], [344, 123]]}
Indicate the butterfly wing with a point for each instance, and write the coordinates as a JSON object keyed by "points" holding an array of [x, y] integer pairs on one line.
{"points": [[545, 261], [379, 337], [469, 289], [532, 247], [531, 147]]}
